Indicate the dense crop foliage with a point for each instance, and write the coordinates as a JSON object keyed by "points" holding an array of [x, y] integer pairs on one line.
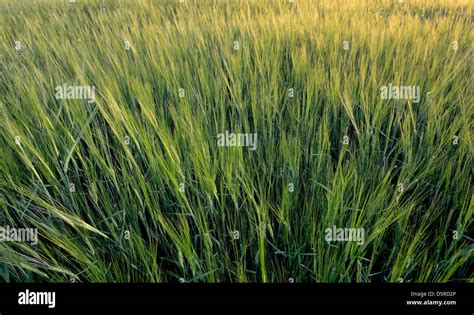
{"points": [[132, 186]]}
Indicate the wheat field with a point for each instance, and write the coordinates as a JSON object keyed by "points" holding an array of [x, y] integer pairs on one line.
{"points": [[236, 141]]}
